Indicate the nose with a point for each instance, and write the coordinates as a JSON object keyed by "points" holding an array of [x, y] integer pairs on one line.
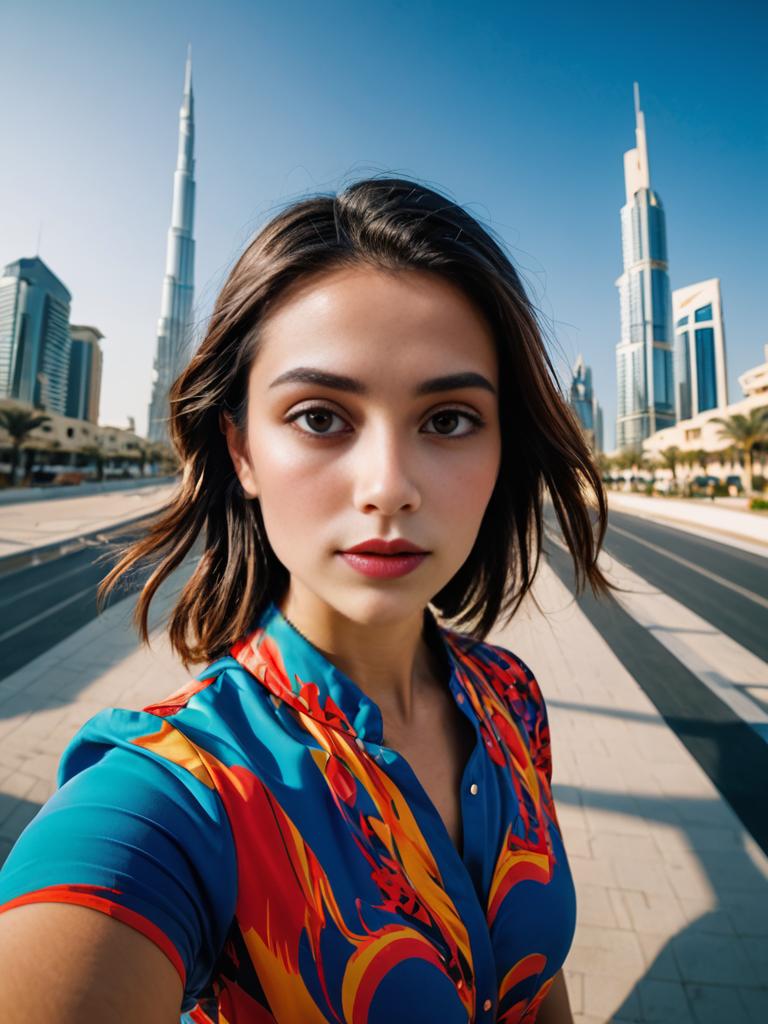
{"points": [[383, 481]]}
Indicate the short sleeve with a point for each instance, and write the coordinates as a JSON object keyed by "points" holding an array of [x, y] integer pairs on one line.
{"points": [[523, 694], [136, 836]]}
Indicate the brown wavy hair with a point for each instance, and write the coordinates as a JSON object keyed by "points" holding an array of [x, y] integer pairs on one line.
{"points": [[393, 224]]}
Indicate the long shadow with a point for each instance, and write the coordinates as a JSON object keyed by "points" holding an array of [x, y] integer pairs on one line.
{"points": [[721, 955]]}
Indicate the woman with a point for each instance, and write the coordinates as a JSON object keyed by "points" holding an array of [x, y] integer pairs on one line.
{"points": [[348, 815]]}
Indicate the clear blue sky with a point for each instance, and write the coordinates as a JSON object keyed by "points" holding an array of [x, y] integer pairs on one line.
{"points": [[520, 113]]}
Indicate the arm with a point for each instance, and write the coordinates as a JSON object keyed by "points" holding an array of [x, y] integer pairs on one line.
{"points": [[73, 964], [556, 1009]]}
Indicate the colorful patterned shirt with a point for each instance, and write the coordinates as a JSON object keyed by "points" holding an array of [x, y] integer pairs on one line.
{"points": [[293, 868]]}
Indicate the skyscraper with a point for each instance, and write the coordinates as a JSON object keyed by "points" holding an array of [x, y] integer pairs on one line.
{"points": [[644, 355], [34, 335], [84, 384], [174, 326], [700, 372], [585, 405]]}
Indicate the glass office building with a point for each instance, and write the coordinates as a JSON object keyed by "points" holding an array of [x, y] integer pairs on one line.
{"points": [[585, 405], [84, 384], [700, 365], [34, 335], [644, 355]]}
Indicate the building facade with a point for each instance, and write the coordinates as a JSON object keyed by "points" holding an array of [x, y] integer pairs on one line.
{"points": [[84, 384], [34, 335], [700, 367], [644, 354], [175, 324], [700, 433], [585, 405]]}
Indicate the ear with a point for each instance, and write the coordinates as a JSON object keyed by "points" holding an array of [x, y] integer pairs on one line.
{"points": [[238, 452]]}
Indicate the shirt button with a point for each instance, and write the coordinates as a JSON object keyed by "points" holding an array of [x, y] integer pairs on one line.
{"points": [[473, 789], [487, 1005]]}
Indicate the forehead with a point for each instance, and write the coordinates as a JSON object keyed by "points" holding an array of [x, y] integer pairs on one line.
{"points": [[369, 322]]}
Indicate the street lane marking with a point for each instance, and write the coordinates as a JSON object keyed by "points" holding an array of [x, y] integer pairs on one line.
{"points": [[46, 583], [749, 594], [44, 615]]}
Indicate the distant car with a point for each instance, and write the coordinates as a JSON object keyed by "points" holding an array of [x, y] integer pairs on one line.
{"points": [[705, 481], [734, 481]]}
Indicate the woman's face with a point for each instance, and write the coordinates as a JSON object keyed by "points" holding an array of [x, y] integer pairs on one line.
{"points": [[383, 455]]}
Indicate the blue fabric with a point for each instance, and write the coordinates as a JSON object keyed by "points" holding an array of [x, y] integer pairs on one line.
{"points": [[293, 867]]}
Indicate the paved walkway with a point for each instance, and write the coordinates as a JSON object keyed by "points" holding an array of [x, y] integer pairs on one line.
{"points": [[672, 893], [25, 525]]}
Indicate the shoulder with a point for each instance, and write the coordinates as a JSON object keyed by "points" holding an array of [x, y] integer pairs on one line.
{"points": [[510, 683], [505, 673]]}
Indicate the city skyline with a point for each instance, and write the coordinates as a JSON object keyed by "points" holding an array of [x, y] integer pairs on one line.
{"points": [[531, 143]]}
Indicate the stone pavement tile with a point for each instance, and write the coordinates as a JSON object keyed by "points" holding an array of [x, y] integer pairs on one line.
{"points": [[660, 963], [714, 1004], [606, 951], [748, 912], [618, 904], [645, 876], [14, 824], [713, 959], [574, 982], [16, 786], [756, 1002], [587, 871], [594, 906], [705, 916], [689, 881], [576, 839], [605, 996], [664, 1002], [697, 837], [654, 913], [757, 953], [607, 846]]}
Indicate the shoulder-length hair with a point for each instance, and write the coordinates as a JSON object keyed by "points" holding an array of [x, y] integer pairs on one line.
{"points": [[392, 224]]}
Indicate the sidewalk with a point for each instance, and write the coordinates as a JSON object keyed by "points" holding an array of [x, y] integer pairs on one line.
{"points": [[736, 526], [672, 893], [27, 525]]}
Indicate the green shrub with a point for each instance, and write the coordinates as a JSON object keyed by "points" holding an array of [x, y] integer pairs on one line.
{"points": [[759, 504]]}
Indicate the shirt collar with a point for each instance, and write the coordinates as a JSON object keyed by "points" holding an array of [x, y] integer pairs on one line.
{"points": [[294, 670]]}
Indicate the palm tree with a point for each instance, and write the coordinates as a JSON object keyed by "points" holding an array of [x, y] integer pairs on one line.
{"points": [[96, 452], [670, 457], [746, 431], [20, 423]]}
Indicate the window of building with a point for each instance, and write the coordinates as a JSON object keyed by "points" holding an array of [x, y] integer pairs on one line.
{"points": [[693, 435], [681, 322], [705, 368], [70, 431], [47, 428], [660, 302], [703, 313]]}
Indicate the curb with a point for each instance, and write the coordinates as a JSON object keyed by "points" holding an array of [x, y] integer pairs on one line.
{"points": [[19, 560]]}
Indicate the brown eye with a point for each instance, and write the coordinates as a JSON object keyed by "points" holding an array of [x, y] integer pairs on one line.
{"points": [[447, 419], [318, 419]]}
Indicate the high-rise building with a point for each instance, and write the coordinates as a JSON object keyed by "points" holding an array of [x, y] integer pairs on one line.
{"points": [[700, 372], [585, 404], [84, 385], [175, 323], [644, 355], [34, 335]]}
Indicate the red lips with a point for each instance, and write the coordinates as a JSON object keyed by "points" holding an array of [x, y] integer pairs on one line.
{"points": [[376, 546]]}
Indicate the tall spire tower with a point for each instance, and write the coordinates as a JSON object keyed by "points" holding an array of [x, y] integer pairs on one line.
{"points": [[174, 326], [644, 355]]}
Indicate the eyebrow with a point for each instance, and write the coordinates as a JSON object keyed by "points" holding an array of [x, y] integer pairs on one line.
{"points": [[322, 378]]}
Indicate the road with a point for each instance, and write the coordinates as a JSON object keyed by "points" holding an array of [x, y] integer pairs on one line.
{"points": [[727, 587]]}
